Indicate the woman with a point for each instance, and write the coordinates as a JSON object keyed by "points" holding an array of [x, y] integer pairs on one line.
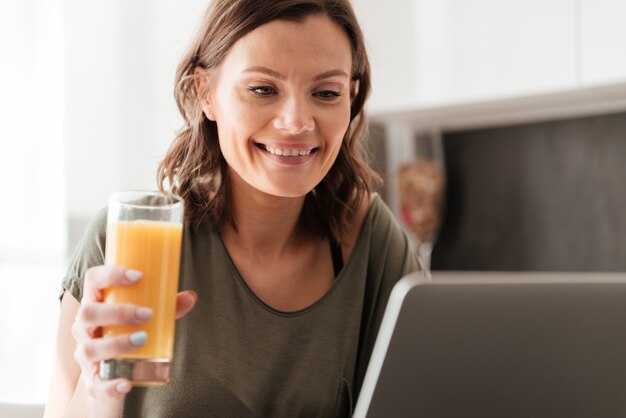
{"points": [[288, 258]]}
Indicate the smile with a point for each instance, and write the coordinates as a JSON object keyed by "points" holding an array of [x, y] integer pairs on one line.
{"points": [[287, 152]]}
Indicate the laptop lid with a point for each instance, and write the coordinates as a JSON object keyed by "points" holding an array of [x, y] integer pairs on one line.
{"points": [[499, 348]]}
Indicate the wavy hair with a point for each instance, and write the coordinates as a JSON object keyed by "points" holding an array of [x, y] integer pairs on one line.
{"points": [[194, 167]]}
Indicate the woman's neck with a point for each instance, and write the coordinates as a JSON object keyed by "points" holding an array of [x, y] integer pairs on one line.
{"points": [[266, 225]]}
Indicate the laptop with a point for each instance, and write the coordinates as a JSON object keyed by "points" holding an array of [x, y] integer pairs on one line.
{"points": [[501, 348]]}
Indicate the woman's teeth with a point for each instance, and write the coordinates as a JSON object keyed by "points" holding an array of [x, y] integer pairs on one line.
{"points": [[285, 152]]}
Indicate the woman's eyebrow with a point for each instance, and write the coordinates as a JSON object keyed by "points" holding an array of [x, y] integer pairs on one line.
{"points": [[331, 73], [276, 74], [260, 69]]}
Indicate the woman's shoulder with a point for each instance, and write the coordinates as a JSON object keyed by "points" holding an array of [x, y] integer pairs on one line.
{"points": [[88, 252], [94, 237], [374, 213], [380, 215], [367, 204], [379, 226]]}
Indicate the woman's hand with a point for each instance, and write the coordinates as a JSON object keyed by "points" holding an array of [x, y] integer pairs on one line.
{"points": [[93, 314]]}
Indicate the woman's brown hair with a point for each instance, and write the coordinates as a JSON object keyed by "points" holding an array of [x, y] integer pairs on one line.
{"points": [[194, 166]]}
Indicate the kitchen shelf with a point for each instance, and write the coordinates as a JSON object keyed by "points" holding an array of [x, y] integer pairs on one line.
{"points": [[588, 101]]}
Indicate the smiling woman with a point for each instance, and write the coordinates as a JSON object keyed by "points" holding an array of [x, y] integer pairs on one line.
{"points": [[288, 256]]}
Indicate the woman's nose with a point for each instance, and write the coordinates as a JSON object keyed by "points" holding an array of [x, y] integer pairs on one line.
{"points": [[294, 117]]}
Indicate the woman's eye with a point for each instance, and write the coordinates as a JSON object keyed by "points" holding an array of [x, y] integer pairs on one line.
{"points": [[262, 90], [327, 94]]}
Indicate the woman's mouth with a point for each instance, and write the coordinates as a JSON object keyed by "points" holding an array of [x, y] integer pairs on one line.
{"points": [[298, 151]]}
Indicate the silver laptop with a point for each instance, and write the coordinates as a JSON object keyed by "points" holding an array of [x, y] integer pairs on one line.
{"points": [[500, 348]]}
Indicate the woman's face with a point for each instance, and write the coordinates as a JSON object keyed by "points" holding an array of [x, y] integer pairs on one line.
{"points": [[281, 101]]}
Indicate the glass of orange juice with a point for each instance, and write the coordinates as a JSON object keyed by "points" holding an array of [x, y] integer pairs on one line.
{"points": [[144, 232]]}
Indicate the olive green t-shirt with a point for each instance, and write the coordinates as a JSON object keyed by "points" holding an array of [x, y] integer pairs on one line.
{"points": [[235, 356]]}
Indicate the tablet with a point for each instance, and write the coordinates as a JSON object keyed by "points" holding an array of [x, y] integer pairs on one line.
{"points": [[500, 347]]}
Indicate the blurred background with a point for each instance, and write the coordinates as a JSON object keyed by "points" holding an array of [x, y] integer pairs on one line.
{"points": [[526, 99]]}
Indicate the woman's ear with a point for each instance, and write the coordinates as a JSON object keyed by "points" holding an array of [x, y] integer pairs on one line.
{"points": [[201, 83]]}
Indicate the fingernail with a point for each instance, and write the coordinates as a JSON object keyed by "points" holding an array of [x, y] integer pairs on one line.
{"points": [[123, 387], [138, 338], [143, 314], [132, 275]]}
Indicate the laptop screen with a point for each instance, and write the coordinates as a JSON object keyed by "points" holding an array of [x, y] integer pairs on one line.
{"points": [[495, 347]]}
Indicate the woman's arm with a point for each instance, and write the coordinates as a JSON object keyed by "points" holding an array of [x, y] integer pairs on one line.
{"points": [[68, 396], [65, 371]]}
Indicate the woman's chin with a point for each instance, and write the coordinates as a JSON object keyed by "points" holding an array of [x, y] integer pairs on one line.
{"points": [[292, 193]]}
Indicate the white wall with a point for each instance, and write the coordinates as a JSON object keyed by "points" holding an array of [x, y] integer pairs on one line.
{"points": [[31, 112], [427, 53], [504, 48], [93, 87], [121, 115], [32, 201], [389, 31], [603, 41]]}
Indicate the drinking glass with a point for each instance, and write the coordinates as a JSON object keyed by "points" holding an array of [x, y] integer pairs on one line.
{"points": [[144, 232], [421, 187]]}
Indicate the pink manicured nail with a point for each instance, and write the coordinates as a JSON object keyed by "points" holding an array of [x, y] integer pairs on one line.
{"points": [[123, 387], [133, 276], [143, 314]]}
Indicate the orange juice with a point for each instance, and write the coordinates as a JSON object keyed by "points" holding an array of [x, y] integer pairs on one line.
{"points": [[152, 247]]}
